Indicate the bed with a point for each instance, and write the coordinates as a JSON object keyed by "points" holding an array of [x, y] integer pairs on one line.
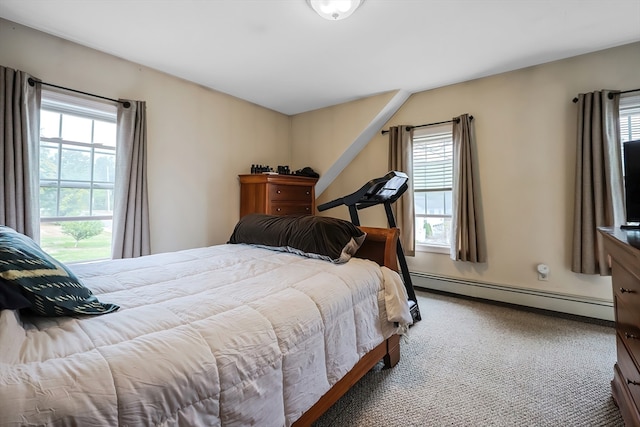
{"points": [[234, 334]]}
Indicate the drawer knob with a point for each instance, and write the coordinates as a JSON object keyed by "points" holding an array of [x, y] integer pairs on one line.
{"points": [[278, 191], [308, 192], [278, 210], [307, 209], [631, 336], [625, 290], [632, 382]]}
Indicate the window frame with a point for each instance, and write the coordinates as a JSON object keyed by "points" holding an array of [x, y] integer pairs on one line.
{"points": [[63, 103], [629, 112], [421, 133]]}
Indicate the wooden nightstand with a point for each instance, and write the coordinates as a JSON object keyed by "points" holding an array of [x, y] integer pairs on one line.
{"points": [[277, 194]]}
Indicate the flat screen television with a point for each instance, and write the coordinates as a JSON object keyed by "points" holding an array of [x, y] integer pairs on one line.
{"points": [[631, 156]]}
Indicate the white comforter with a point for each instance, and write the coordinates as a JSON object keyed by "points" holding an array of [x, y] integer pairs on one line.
{"points": [[228, 335]]}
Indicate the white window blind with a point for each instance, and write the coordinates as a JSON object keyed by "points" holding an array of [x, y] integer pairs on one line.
{"points": [[432, 162]]}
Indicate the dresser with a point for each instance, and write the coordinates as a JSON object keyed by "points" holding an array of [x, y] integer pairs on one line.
{"points": [[277, 194], [624, 249]]}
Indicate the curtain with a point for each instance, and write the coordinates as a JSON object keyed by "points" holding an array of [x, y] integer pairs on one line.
{"points": [[467, 234], [599, 183], [19, 152], [401, 160], [131, 206]]}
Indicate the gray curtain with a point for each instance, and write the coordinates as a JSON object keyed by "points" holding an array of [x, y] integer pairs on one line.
{"points": [[467, 233], [599, 183], [131, 206], [19, 152], [401, 160]]}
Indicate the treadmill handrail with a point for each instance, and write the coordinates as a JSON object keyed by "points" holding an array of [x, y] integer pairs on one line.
{"points": [[363, 195]]}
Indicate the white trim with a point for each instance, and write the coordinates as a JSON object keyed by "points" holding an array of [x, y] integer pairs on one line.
{"points": [[629, 100], [361, 141], [446, 128], [563, 303], [80, 105], [433, 249]]}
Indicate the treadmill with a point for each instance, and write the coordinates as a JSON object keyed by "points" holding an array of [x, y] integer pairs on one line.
{"points": [[384, 190]]}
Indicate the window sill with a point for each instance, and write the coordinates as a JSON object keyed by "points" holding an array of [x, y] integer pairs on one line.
{"points": [[433, 249]]}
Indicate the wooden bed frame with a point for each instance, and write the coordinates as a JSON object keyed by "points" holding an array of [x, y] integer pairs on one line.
{"points": [[380, 247]]}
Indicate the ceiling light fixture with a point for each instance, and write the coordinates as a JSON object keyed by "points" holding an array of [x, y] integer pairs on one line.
{"points": [[334, 10]]}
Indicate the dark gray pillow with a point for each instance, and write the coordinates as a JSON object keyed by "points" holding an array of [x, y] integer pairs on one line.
{"points": [[49, 286], [329, 239]]}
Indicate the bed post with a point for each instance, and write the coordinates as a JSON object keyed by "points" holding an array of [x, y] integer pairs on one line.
{"points": [[392, 357]]}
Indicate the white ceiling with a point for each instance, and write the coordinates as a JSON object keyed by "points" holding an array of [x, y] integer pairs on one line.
{"points": [[281, 55]]}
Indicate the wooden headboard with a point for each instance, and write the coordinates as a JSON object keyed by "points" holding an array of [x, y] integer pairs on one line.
{"points": [[380, 246]]}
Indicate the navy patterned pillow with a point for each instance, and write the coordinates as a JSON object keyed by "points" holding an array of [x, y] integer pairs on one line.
{"points": [[50, 287], [11, 298]]}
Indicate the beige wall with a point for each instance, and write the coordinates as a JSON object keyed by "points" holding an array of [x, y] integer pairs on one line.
{"points": [[319, 138], [199, 140], [525, 128]]}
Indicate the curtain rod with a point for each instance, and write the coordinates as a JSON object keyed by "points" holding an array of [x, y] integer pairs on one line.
{"points": [[32, 82], [430, 124], [610, 96]]}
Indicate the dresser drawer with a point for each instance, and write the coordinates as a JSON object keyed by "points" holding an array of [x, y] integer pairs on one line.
{"points": [[627, 314], [631, 338], [290, 209], [631, 376], [626, 293], [301, 193], [277, 194], [625, 284]]}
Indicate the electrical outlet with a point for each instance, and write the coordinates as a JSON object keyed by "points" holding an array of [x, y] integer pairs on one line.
{"points": [[543, 272]]}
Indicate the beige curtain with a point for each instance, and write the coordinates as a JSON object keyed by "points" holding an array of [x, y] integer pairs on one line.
{"points": [[19, 152], [131, 206], [401, 160], [599, 183], [467, 233]]}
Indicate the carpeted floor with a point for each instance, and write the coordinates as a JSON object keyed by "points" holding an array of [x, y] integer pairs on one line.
{"points": [[469, 363]]}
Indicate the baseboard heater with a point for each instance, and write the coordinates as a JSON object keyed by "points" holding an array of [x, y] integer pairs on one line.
{"points": [[562, 303]]}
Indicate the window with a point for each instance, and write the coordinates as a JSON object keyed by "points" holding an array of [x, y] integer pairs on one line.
{"points": [[629, 125], [77, 169], [629, 117], [432, 186]]}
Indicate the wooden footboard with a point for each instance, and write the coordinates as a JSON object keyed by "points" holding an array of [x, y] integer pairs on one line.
{"points": [[380, 247], [389, 351]]}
